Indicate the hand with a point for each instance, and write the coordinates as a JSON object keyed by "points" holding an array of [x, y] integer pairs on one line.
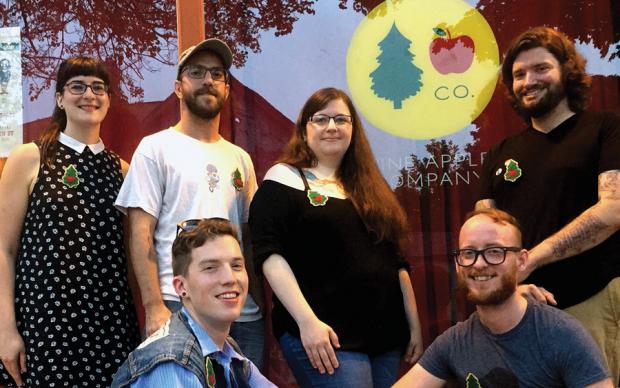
{"points": [[537, 293], [155, 317], [414, 349], [319, 341], [13, 354]]}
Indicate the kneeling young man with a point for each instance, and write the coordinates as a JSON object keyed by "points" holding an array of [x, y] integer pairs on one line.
{"points": [[193, 348], [510, 341]]}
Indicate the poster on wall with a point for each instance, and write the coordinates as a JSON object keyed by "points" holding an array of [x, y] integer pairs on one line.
{"points": [[11, 133]]}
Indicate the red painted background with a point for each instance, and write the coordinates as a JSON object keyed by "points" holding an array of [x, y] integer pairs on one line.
{"points": [[125, 33]]}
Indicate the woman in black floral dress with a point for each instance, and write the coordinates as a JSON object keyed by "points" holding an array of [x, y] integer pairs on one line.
{"points": [[67, 317]]}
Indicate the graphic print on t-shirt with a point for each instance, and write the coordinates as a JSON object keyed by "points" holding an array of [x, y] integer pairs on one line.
{"points": [[472, 381], [237, 180], [212, 177], [513, 171]]}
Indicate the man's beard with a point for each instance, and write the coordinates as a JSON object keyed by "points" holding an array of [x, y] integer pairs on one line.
{"points": [[507, 287], [554, 95], [205, 110]]}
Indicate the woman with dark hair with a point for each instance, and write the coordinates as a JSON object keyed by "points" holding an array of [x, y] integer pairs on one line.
{"points": [[67, 313], [327, 232]]}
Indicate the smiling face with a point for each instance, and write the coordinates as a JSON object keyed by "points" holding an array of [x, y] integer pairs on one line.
{"points": [[83, 110], [537, 82], [489, 284], [203, 98], [331, 142], [215, 283]]}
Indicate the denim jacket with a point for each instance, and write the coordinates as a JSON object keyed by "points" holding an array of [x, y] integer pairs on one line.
{"points": [[177, 343]]}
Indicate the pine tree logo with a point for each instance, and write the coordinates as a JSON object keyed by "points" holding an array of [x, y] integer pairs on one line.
{"points": [[396, 78], [210, 373], [236, 180], [513, 171], [472, 381], [70, 177], [316, 198]]}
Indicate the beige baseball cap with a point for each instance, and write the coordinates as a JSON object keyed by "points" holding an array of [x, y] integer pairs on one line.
{"points": [[211, 44]]}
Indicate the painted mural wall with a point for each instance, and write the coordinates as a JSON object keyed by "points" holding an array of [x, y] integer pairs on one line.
{"points": [[422, 73]]}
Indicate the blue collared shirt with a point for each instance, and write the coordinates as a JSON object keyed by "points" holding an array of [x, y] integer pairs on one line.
{"points": [[170, 374]]}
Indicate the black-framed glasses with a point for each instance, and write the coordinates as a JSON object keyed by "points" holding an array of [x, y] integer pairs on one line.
{"points": [[492, 255], [322, 121], [218, 74], [187, 225], [79, 88]]}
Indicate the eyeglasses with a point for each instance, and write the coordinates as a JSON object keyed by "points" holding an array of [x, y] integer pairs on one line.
{"points": [[79, 88], [218, 74], [322, 121], [187, 225], [492, 255]]}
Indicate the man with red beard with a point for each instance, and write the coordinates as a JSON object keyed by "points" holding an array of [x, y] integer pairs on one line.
{"points": [[510, 341], [560, 178], [184, 173]]}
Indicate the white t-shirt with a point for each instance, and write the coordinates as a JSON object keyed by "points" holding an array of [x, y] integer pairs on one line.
{"points": [[175, 177]]}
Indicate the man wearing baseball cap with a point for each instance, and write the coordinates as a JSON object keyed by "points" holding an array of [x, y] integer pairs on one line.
{"points": [[188, 172]]}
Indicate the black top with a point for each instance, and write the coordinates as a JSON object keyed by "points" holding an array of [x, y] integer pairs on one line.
{"points": [[559, 180], [350, 282]]}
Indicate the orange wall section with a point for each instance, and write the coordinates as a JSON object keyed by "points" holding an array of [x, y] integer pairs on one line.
{"points": [[190, 23]]}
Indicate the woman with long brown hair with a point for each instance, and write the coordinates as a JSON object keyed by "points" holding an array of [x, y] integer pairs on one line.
{"points": [[327, 233], [67, 317]]}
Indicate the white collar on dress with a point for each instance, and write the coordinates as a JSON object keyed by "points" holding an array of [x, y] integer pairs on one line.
{"points": [[79, 146]]}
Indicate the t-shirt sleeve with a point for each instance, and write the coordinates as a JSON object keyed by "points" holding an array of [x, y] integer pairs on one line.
{"points": [[610, 143], [143, 186], [577, 355], [269, 221], [401, 262], [436, 359], [485, 189], [250, 187]]}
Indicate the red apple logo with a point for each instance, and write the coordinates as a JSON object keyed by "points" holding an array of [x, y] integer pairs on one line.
{"points": [[451, 55]]}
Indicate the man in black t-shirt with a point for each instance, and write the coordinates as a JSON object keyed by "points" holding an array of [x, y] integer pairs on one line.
{"points": [[561, 179]]}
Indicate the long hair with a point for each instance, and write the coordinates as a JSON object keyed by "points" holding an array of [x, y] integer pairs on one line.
{"points": [[574, 78], [358, 171], [68, 69]]}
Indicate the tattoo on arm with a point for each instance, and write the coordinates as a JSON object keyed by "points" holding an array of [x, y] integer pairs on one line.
{"points": [[609, 185], [584, 234]]}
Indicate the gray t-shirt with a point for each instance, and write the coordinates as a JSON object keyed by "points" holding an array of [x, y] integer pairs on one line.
{"points": [[547, 349]]}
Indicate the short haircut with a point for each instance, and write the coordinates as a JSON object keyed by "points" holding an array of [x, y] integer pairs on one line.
{"points": [[187, 241], [574, 78], [499, 217]]}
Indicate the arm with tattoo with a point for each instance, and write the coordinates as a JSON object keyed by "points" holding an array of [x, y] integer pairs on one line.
{"points": [[589, 229]]}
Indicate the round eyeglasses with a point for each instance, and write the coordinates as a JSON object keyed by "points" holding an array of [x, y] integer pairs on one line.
{"points": [[491, 255], [321, 121], [79, 88], [218, 74]]}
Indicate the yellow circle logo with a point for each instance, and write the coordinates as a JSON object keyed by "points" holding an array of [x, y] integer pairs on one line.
{"points": [[422, 69]]}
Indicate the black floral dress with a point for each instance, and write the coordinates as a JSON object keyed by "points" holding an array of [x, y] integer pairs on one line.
{"points": [[72, 302]]}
